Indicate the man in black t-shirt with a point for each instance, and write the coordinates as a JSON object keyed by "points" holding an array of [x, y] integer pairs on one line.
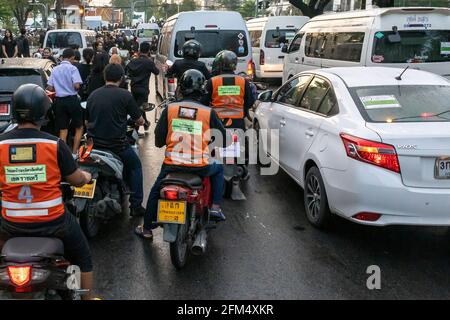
{"points": [[107, 111], [139, 71]]}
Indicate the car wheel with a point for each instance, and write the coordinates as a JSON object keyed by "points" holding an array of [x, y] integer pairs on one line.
{"points": [[316, 200]]}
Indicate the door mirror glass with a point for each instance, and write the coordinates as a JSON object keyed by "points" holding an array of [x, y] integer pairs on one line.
{"points": [[265, 96]]}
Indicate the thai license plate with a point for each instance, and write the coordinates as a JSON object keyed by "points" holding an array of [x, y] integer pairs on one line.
{"points": [[172, 212], [442, 168], [87, 191]]}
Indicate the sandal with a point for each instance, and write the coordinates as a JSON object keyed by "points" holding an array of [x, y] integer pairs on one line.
{"points": [[144, 234]]}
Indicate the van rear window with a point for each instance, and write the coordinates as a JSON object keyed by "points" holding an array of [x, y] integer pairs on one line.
{"points": [[214, 41], [63, 40], [411, 46]]}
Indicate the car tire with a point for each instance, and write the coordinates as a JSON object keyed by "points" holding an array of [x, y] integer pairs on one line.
{"points": [[317, 209]]}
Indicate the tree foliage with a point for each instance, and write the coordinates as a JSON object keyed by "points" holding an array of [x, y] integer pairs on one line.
{"points": [[247, 9]]}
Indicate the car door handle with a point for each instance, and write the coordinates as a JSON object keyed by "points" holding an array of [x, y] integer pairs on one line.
{"points": [[309, 133], [282, 122]]}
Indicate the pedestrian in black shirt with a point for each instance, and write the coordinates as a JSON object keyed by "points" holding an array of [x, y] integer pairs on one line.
{"points": [[9, 45], [107, 110], [139, 70], [23, 44], [96, 79]]}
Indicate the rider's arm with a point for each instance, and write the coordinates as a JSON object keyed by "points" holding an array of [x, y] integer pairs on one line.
{"points": [[172, 70], [161, 130], [152, 67], [69, 168]]}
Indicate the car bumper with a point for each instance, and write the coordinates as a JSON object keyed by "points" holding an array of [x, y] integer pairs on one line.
{"points": [[367, 188]]}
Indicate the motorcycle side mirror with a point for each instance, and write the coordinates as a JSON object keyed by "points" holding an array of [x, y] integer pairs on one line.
{"points": [[265, 96]]}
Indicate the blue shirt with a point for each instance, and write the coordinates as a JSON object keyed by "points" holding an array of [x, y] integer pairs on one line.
{"points": [[63, 79]]}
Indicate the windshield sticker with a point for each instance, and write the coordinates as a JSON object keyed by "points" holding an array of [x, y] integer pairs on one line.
{"points": [[380, 102], [379, 35], [377, 58], [241, 49], [26, 174], [187, 126], [229, 90], [240, 36], [445, 48]]}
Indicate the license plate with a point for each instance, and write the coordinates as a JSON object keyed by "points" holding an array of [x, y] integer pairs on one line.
{"points": [[87, 191], [442, 168], [172, 212]]}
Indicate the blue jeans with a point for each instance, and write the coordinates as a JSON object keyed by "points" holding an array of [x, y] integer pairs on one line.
{"points": [[132, 174], [215, 171]]}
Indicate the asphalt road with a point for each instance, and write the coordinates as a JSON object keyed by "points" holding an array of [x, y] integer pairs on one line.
{"points": [[267, 250]]}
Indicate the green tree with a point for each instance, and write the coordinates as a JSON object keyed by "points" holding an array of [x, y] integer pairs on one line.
{"points": [[188, 5], [247, 9], [231, 5], [19, 10]]}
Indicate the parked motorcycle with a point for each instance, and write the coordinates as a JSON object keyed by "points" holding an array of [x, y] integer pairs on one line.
{"points": [[183, 212], [35, 267]]}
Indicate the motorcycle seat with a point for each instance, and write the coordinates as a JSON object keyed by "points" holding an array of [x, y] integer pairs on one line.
{"points": [[185, 179], [31, 249]]}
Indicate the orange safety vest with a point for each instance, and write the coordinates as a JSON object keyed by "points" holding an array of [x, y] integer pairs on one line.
{"points": [[228, 96], [188, 134], [30, 180]]}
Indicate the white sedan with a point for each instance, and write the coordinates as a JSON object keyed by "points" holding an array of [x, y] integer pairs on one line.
{"points": [[369, 144]]}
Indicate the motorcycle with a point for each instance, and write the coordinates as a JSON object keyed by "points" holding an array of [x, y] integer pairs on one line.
{"points": [[35, 267], [105, 197], [183, 212]]}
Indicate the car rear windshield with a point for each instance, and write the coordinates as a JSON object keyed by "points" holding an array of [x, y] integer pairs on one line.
{"points": [[405, 103], [62, 40], [274, 38], [412, 46], [11, 79], [147, 33], [214, 41]]}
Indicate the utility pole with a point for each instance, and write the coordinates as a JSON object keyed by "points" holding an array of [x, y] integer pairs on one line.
{"points": [[45, 13], [133, 5]]}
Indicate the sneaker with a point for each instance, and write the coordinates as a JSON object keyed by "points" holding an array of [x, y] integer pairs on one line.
{"points": [[137, 212], [216, 215]]}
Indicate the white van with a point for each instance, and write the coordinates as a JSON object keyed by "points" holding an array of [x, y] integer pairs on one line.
{"points": [[268, 35], [388, 37], [146, 31], [215, 30], [61, 39]]}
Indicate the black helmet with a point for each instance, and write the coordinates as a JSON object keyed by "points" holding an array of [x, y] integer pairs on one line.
{"points": [[192, 49], [192, 82], [226, 60], [30, 103], [215, 68]]}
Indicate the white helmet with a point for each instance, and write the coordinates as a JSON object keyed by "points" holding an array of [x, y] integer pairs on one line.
{"points": [[37, 55]]}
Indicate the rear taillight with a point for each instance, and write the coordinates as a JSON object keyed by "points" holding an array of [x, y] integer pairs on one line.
{"points": [[250, 69], [171, 81], [171, 194], [262, 57], [19, 275], [4, 109], [367, 216], [174, 192], [376, 153]]}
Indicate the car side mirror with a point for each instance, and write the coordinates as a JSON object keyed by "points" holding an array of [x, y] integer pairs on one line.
{"points": [[265, 96], [285, 48]]}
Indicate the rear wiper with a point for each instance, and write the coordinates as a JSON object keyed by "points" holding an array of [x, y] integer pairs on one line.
{"points": [[437, 115]]}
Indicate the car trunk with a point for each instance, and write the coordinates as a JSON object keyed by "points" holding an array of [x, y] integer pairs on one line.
{"points": [[420, 146]]}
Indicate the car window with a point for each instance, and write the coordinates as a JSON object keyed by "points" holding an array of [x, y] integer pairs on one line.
{"points": [[295, 45], [314, 94], [291, 92], [329, 106], [274, 38]]}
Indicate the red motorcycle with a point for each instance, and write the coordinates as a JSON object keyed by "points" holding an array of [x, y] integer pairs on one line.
{"points": [[183, 210]]}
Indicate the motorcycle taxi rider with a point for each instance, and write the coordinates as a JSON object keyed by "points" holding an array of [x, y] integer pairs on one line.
{"points": [[230, 95], [106, 112], [196, 160], [192, 51], [36, 209]]}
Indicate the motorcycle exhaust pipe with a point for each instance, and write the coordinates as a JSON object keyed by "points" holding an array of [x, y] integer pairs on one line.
{"points": [[199, 246]]}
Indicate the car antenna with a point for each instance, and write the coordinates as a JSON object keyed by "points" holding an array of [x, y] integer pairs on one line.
{"points": [[400, 76]]}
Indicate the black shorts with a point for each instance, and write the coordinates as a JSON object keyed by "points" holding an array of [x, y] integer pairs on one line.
{"points": [[66, 228], [68, 112]]}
